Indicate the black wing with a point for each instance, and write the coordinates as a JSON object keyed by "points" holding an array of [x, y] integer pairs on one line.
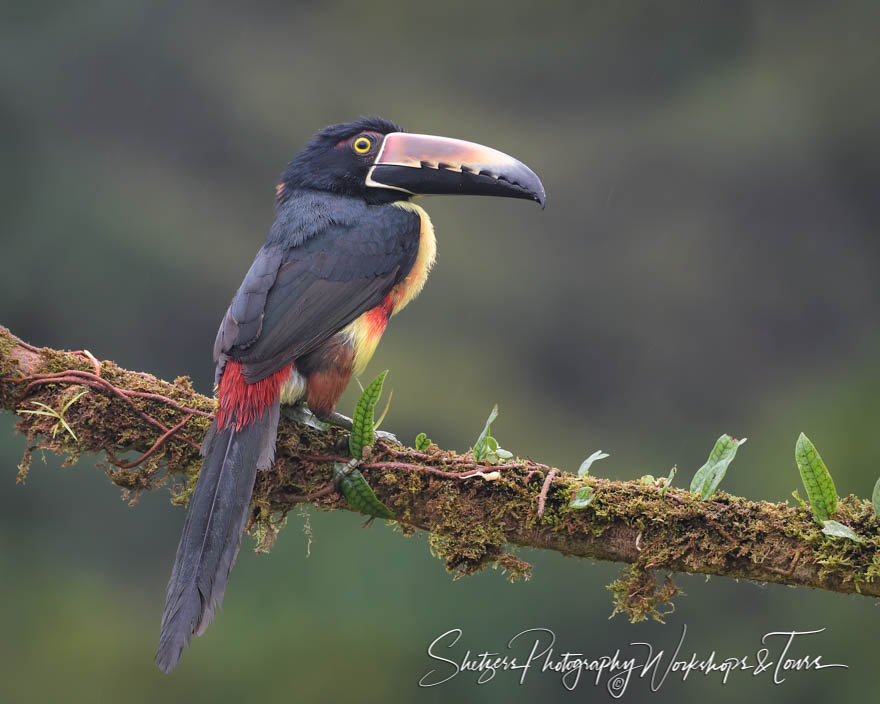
{"points": [[294, 298]]}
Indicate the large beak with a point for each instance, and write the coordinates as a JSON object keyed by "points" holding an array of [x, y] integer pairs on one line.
{"points": [[421, 165]]}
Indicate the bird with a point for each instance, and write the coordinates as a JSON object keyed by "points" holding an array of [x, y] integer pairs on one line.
{"points": [[348, 249]]}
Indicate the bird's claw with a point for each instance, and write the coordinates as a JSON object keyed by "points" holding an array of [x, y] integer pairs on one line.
{"points": [[388, 437], [300, 414], [342, 421]]}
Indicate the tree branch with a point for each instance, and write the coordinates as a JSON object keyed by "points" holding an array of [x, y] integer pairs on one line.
{"points": [[472, 511]]}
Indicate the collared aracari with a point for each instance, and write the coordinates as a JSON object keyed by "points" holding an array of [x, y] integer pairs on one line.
{"points": [[347, 251]]}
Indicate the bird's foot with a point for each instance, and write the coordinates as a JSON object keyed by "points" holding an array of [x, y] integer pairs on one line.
{"points": [[300, 414], [341, 421]]}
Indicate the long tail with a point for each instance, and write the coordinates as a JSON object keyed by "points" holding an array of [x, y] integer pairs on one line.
{"points": [[212, 530]]}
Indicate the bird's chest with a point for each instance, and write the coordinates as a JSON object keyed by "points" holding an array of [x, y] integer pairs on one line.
{"points": [[365, 332]]}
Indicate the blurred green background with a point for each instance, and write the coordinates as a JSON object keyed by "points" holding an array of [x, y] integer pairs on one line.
{"points": [[707, 263]]}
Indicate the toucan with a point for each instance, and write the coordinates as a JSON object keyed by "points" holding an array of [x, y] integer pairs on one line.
{"points": [[348, 249]]}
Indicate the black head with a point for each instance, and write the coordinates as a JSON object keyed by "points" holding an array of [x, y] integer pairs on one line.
{"points": [[338, 158], [377, 161]]}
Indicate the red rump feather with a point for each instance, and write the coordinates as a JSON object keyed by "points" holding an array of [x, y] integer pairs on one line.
{"points": [[242, 403]]}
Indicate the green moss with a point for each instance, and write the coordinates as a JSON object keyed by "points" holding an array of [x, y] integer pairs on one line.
{"points": [[8, 369], [180, 493], [265, 525], [514, 568], [460, 535], [636, 594], [103, 422]]}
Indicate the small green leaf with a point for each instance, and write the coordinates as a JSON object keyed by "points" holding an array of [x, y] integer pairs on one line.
{"points": [[66, 427], [797, 497], [74, 400], [423, 442], [834, 529], [669, 480], [358, 492], [582, 498], [817, 479], [58, 415], [709, 476], [49, 411], [384, 412], [584, 469], [486, 447], [481, 446], [875, 498], [362, 425], [38, 413]]}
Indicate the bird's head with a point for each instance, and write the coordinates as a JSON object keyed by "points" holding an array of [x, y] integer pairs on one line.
{"points": [[376, 160]]}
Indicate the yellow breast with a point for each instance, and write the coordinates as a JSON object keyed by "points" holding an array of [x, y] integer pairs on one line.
{"points": [[410, 287]]}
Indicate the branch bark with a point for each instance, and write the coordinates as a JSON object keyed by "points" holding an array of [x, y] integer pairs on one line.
{"points": [[471, 520]]}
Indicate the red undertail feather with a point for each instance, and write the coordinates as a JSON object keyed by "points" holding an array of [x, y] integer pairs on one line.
{"points": [[242, 403]]}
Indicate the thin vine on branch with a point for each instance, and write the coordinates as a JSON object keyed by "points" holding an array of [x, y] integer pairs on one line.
{"points": [[476, 506]]}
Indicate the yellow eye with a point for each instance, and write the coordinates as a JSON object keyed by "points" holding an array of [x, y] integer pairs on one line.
{"points": [[362, 145]]}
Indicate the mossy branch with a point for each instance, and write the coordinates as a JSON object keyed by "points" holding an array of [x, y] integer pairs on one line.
{"points": [[473, 512]]}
